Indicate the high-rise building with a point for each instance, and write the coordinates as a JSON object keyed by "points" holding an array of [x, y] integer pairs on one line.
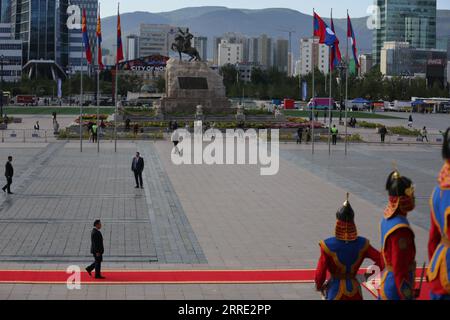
{"points": [[400, 59], [132, 47], [233, 38], [42, 26], [265, 57], [11, 50], [253, 50], [5, 11], [76, 63], [230, 53], [366, 63], [201, 44], [412, 21], [312, 54], [281, 55], [156, 39]]}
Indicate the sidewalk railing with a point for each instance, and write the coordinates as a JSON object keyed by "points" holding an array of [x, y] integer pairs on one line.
{"points": [[26, 135]]}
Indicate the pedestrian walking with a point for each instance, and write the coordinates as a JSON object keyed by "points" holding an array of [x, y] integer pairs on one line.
{"points": [[175, 141], [410, 121], [137, 166], [383, 132], [9, 173], [334, 132], [55, 127], [424, 134], [97, 250], [308, 135], [94, 132], [299, 135], [136, 129], [36, 126]]}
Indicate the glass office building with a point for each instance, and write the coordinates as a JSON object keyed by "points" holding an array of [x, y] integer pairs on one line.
{"points": [[412, 21], [41, 25], [5, 11]]}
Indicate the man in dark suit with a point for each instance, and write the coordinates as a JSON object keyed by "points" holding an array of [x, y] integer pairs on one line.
{"points": [[9, 172], [97, 250], [137, 166]]}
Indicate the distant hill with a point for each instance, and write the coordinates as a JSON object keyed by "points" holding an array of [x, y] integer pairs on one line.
{"points": [[214, 21]]}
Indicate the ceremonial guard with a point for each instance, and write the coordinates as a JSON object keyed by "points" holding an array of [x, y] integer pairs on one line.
{"points": [[342, 257], [439, 243], [397, 241]]}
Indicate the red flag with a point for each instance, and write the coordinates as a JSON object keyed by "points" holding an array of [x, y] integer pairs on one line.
{"points": [[87, 46], [99, 41], [119, 54], [351, 35]]}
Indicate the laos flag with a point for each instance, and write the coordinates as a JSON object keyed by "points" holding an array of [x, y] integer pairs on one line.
{"points": [[336, 56], [323, 32], [87, 46], [351, 35]]}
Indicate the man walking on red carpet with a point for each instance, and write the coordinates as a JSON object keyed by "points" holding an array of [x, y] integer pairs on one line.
{"points": [[97, 250]]}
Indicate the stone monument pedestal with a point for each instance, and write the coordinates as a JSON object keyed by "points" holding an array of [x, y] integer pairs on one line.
{"points": [[189, 84]]}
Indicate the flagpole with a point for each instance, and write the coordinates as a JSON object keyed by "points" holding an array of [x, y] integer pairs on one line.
{"points": [[98, 86], [329, 101], [329, 107], [81, 95], [313, 88], [116, 89], [346, 90]]}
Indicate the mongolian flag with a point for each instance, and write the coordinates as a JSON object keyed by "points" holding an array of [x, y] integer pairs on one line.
{"points": [[323, 32], [99, 41], [335, 51], [87, 46], [351, 35], [119, 54]]}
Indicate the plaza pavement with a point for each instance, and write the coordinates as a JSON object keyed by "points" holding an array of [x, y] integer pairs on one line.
{"points": [[192, 217]]}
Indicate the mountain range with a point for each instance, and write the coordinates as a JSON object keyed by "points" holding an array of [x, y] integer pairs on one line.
{"points": [[211, 21]]}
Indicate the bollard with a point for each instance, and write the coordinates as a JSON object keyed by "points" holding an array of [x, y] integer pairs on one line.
{"points": [[45, 135]]}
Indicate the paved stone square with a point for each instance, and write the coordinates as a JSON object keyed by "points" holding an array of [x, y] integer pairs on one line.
{"points": [[193, 216]]}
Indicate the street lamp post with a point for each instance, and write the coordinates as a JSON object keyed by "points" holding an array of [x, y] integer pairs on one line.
{"points": [[2, 60], [343, 69]]}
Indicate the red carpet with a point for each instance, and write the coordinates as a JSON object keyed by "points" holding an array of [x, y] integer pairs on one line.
{"points": [[162, 276], [176, 277]]}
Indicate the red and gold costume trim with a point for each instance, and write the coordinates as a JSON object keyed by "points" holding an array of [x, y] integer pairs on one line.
{"points": [[404, 203], [346, 231], [444, 176]]}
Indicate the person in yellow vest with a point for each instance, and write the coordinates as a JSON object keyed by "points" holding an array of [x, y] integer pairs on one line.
{"points": [[94, 132], [334, 134]]}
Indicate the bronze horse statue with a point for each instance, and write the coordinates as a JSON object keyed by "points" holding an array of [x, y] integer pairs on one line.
{"points": [[182, 44]]}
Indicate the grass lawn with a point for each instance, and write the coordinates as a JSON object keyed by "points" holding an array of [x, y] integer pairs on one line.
{"points": [[58, 110], [357, 114]]}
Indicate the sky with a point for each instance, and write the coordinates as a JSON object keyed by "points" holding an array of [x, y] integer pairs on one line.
{"points": [[357, 8]]}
